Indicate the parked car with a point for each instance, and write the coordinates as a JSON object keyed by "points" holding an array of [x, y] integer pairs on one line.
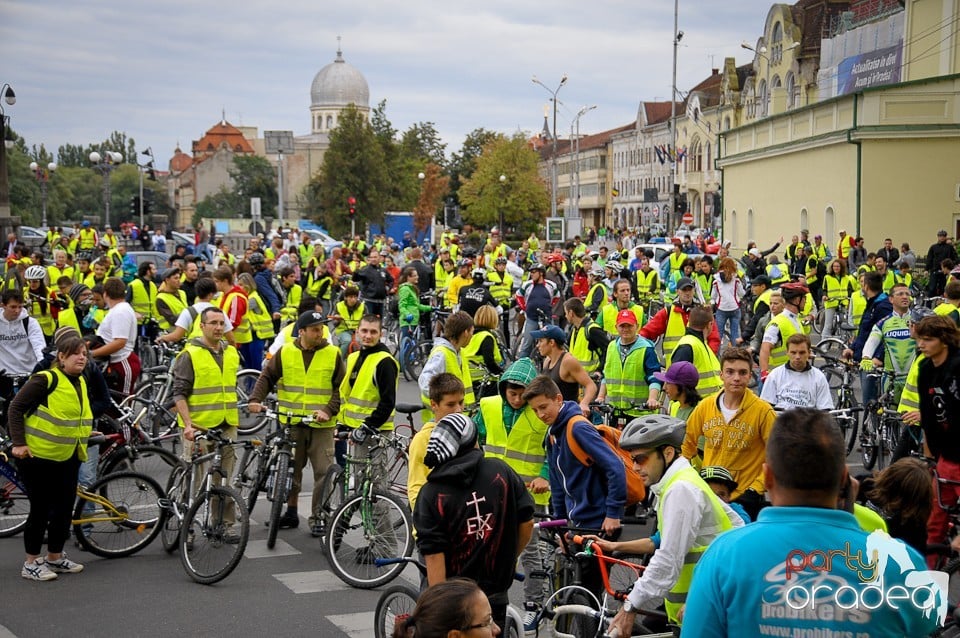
{"points": [[660, 252], [186, 239], [30, 236], [158, 258], [329, 243]]}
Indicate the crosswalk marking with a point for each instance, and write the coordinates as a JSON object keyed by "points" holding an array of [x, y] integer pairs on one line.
{"points": [[312, 582], [258, 549], [358, 625]]}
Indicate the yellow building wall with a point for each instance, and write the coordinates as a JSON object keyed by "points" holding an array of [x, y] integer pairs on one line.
{"points": [[932, 39], [820, 181], [910, 191]]}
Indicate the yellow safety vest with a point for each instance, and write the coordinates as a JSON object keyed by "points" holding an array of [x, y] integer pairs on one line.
{"points": [[55, 273], [677, 596], [522, 448], [647, 282], [910, 397], [142, 298], [501, 288], [598, 289], [62, 422], [319, 288], [363, 397], [260, 319], [784, 274], [706, 363], [778, 353], [290, 310], [676, 261], [176, 303], [45, 318], [472, 353], [88, 238], [610, 312], [858, 305], [349, 320], [242, 331], [580, 346], [626, 380], [836, 290], [302, 391], [457, 365], [68, 317], [676, 328], [764, 297], [213, 401]]}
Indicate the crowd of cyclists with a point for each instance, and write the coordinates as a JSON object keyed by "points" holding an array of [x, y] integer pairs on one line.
{"points": [[705, 365]]}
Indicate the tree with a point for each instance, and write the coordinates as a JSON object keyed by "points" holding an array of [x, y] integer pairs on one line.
{"points": [[522, 197], [433, 189], [225, 203], [463, 164], [353, 166], [422, 141], [253, 176]]}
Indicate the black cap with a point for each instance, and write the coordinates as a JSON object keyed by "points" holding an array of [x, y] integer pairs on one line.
{"points": [[761, 279], [309, 318], [941, 233], [169, 272], [684, 282]]}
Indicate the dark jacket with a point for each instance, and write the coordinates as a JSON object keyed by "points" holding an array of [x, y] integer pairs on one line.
{"points": [[267, 293], [373, 282], [470, 510], [877, 308]]}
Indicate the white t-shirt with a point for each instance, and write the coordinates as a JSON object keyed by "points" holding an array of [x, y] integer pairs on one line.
{"points": [[185, 319], [728, 413], [785, 388], [120, 323]]}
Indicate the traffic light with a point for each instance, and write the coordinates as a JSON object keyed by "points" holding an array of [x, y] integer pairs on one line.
{"points": [[134, 205], [151, 174], [352, 206], [148, 203]]}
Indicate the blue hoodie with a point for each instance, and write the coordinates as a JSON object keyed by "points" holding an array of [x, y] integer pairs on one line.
{"points": [[582, 494]]}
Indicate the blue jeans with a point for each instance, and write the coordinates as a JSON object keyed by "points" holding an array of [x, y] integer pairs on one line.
{"points": [[733, 318], [526, 341]]}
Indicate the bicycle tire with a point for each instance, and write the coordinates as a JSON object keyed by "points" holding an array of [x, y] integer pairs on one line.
{"points": [[204, 553], [154, 461], [249, 479], [891, 437], [170, 523], [248, 422], [354, 539], [332, 493], [577, 625], [395, 603], [14, 506], [829, 348], [849, 427], [151, 410], [407, 346], [869, 439], [135, 499], [278, 497]]}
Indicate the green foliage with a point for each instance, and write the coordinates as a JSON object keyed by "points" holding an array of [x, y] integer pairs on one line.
{"points": [[254, 176], [422, 142], [224, 203], [463, 164], [523, 197]]}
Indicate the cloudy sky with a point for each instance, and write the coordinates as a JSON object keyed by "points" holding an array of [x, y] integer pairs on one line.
{"points": [[163, 71]]}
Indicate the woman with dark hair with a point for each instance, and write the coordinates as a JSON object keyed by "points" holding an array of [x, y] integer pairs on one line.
{"points": [[455, 608], [50, 420], [903, 495], [408, 301], [836, 289]]}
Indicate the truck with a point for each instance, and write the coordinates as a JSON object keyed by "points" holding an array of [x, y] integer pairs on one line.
{"points": [[395, 224]]}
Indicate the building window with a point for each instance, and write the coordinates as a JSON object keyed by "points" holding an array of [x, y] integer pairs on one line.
{"points": [[726, 123], [776, 51], [734, 235], [804, 221], [828, 222], [793, 93], [750, 224], [695, 163], [329, 122]]}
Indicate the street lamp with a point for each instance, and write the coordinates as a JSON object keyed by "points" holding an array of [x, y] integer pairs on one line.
{"points": [[677, 36], [105, 165], [6, 91], [576, 158], [149, 167], [762, 52], [503, 183], [43, 176], [553, 160]]}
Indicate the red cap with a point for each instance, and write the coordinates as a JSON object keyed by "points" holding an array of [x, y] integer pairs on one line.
{"points": [[626, 316]]}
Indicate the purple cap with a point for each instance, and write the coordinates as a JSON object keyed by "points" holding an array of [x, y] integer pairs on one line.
{"points": [[681, 373]]}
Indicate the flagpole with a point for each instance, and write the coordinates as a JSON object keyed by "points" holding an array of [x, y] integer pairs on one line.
{"points": [[673, 121]]}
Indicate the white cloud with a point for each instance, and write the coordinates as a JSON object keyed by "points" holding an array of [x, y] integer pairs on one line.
{"points": [[162, 72]]}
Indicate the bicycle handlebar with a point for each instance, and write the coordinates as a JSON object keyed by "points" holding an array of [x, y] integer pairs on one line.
{"points": [[548, 524]]}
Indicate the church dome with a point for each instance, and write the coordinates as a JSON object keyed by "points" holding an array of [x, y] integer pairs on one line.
{"points": [[339, 84]]}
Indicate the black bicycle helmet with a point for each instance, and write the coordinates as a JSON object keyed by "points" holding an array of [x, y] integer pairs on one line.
{"points": [[538, 266], [653, 431], [255, 259]]}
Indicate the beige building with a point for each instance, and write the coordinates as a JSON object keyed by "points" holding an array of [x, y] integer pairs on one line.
{"points": [[879, 159]]}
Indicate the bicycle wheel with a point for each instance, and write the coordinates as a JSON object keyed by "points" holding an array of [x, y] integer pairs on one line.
{"points": [[127, 519], [849, 426], [889, 438], [250, 477], [870, 439], [406, 351], [151, 411], [250, 423], [577, 624], [366, 528], [14, 506], [152, 460], [332, 492], [175, 508], [278, 497], [210, 545], [829, 349], [395, 605]]}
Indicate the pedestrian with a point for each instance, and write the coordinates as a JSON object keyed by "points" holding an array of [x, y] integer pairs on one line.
{"points": [[454, 608]]}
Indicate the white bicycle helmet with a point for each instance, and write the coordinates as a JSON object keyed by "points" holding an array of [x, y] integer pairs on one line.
{"points": [[653, 431], [596, 271], [35, 272]]}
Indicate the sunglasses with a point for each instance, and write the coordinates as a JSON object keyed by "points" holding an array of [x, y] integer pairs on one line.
{"points": [[640, 458]]}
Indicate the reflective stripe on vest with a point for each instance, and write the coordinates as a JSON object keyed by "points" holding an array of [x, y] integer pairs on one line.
{"points": [[62, 422], [706, 363], [142, 298], [176, 303], [214, 397], [457, 365], [676, 328], [260, 319], [778, 353], [242, 332], [303, 391], [625, 380], [348, 320], [522, 449], [677, 595], [580, 347], [363, 397]]}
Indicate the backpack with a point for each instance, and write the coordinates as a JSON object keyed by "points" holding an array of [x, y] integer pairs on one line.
{"points": [[636, 490]]}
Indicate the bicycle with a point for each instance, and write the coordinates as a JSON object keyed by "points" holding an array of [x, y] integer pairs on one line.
{"points": [[414, 352], [195, 517], [369, 523], [841, 375], [881, 425], [116, 516]]}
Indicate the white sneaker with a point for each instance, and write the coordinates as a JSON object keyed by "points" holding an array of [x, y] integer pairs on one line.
{"points": [[37, 570], [63, 565]]}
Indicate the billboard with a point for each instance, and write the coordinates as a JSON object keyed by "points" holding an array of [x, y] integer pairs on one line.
{"points": [[865, 70]]}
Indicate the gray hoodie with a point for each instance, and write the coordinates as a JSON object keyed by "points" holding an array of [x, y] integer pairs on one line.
{"points": [[20, 350]]}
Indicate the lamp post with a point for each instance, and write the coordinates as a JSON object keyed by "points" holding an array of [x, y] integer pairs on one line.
{"points": [[43, 176], [149, 168], [105, 165], [576, 158], [503, 233], [677, 36], [6, 95], [553, 157]]}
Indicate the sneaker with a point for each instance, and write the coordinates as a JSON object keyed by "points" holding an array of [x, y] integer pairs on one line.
{"points": [[530, 620], [231, 537], [63, 565], [37, 570], [289, 520]]}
